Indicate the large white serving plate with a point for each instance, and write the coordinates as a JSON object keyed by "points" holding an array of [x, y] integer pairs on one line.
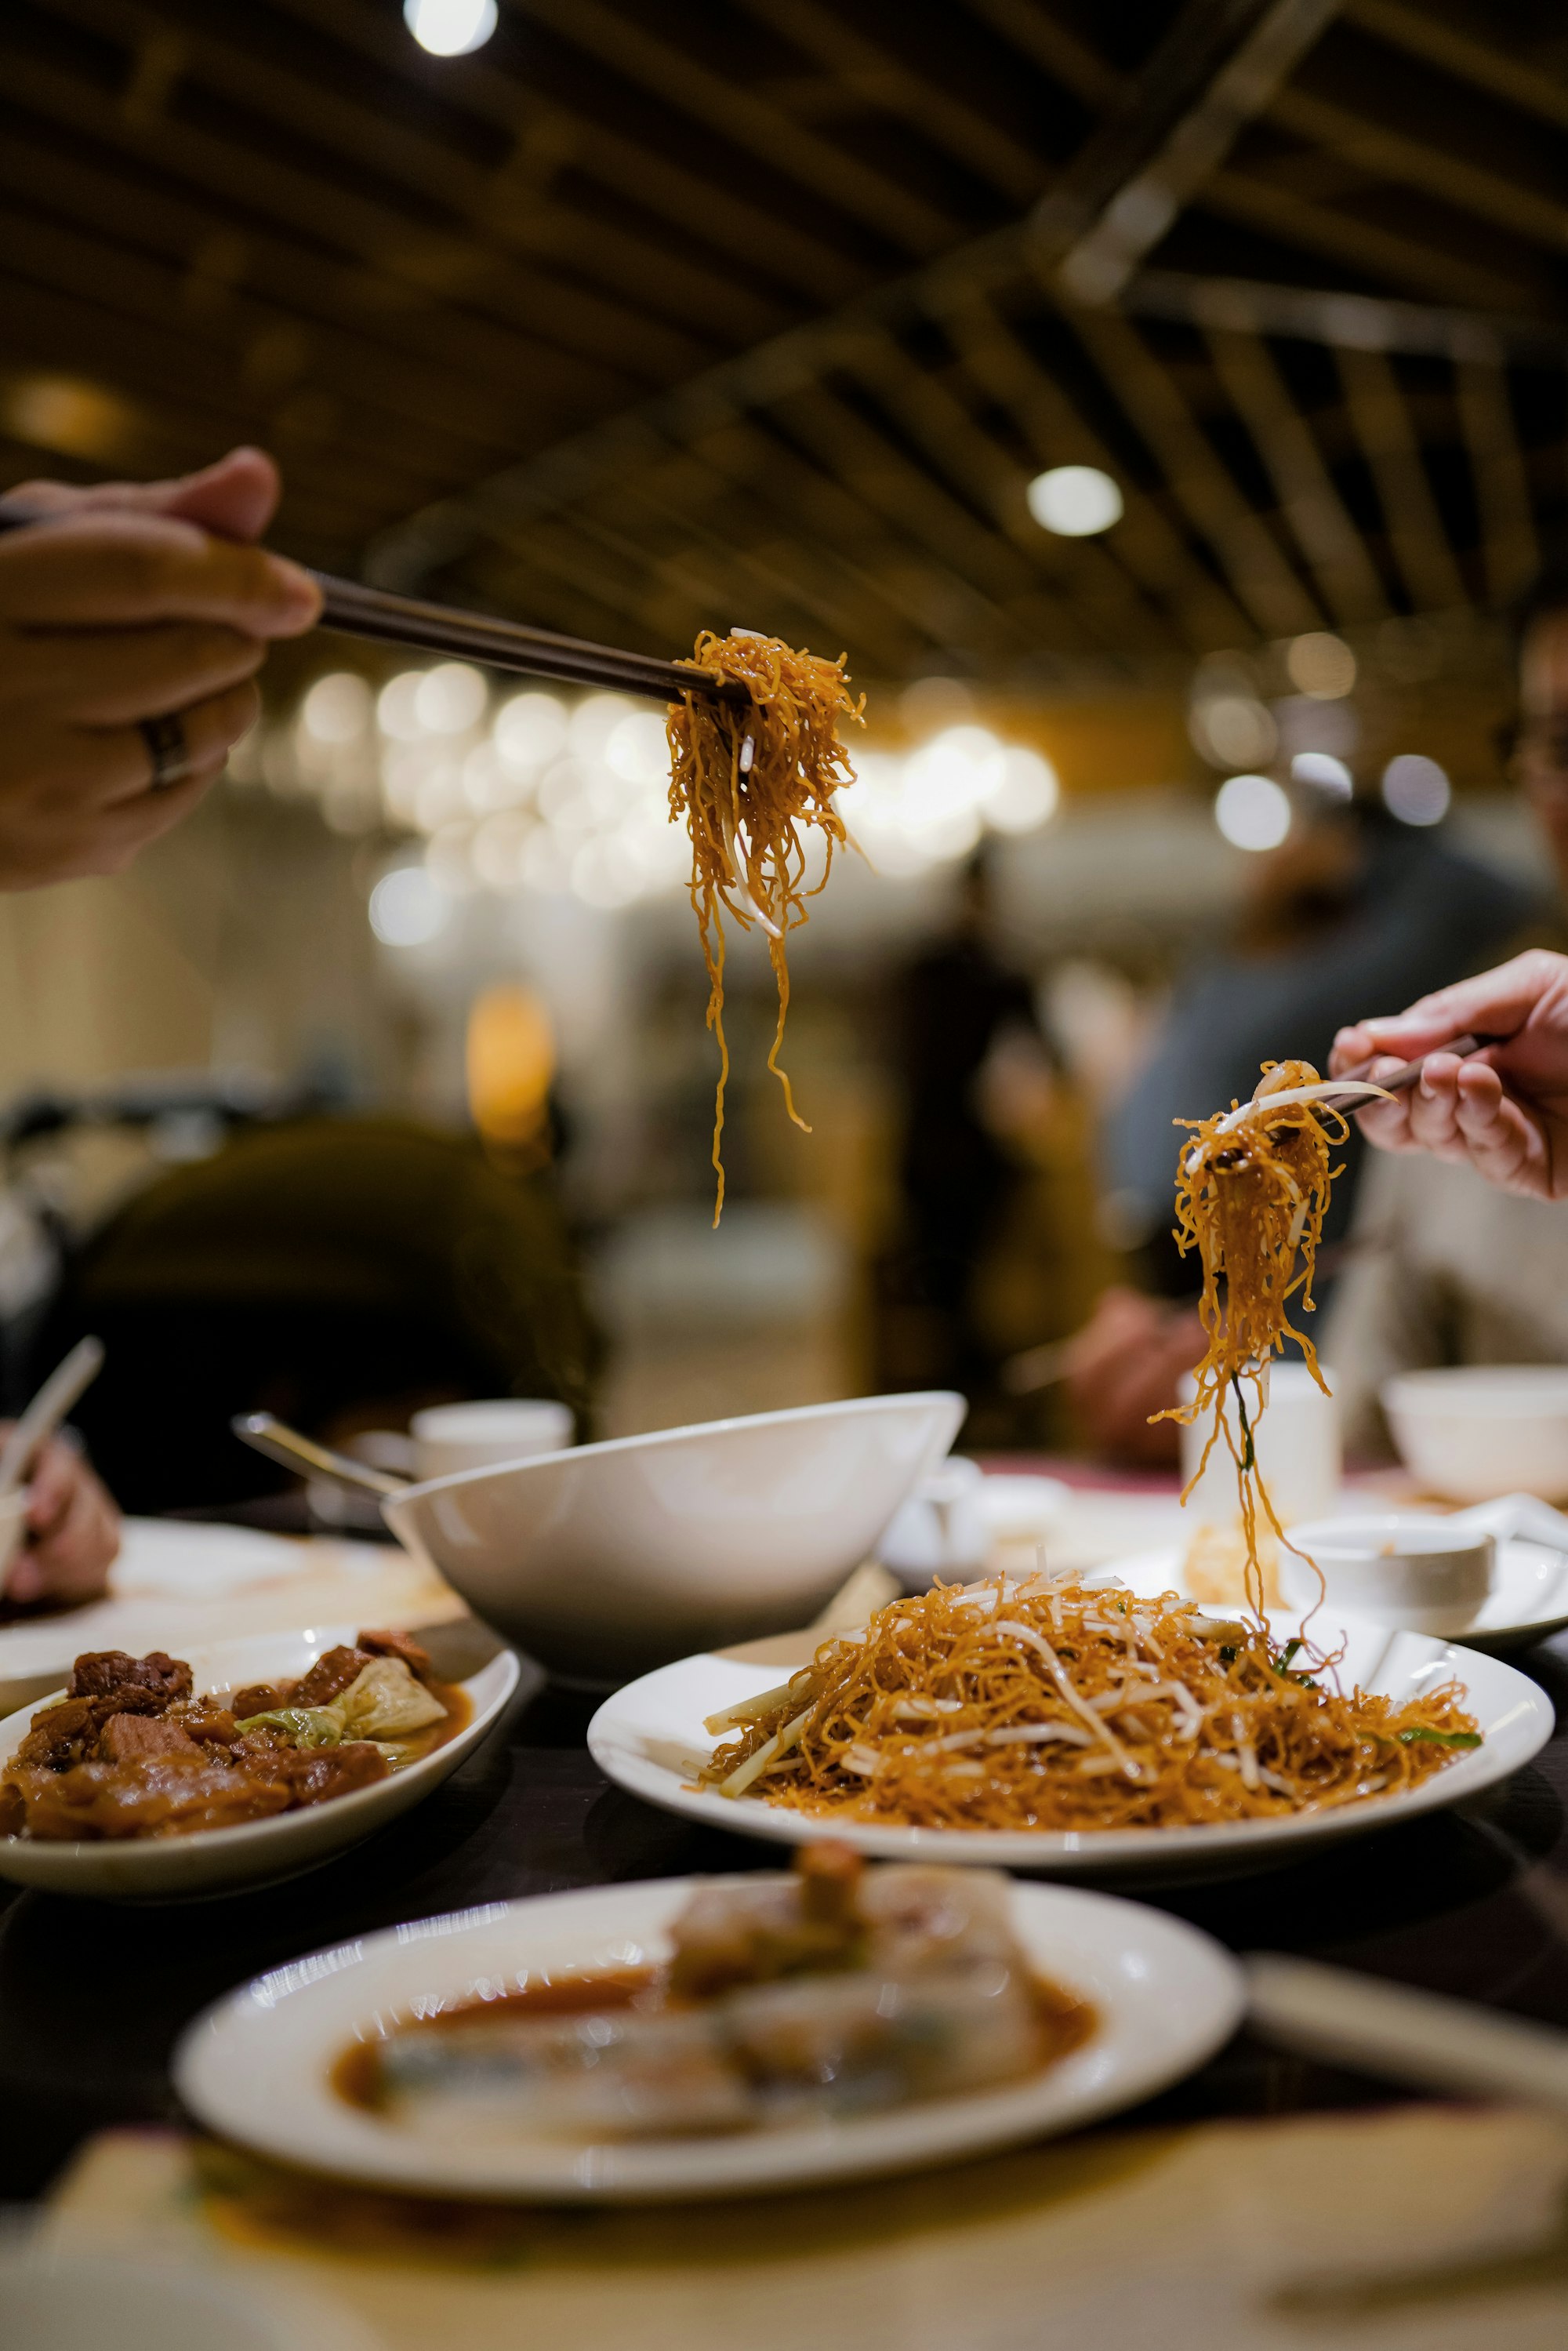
{"points": [[649, 1738], [255, 2066], [212, 1860]]}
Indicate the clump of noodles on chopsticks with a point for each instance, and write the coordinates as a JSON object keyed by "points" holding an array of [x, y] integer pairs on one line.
{"points": [[749, 783], [1036, 1702], [1252, 1189]]}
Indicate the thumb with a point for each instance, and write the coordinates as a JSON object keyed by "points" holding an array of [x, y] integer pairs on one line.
{"points": [[236, 497]]}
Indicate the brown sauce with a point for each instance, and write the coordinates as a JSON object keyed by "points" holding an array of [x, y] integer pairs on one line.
{"points": [[1066, 2022]]}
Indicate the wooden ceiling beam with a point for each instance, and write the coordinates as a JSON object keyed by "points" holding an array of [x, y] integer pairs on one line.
{"points": [[662, 285], [1047, 44], [1532, 88], [1309, 501], [1366, 247], [878, 76], [1510, 548], [1195, 606], [1262, 581], [1388, 440], [678, 78], [442, 355], [1084, 572], [411, 260], [1432, 169], [750, 233]]}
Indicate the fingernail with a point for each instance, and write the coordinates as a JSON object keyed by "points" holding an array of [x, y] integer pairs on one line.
{"points": [[295, 586]]}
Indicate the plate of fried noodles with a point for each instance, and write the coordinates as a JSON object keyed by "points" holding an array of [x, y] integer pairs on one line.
{"points": [[1039, 1722]]}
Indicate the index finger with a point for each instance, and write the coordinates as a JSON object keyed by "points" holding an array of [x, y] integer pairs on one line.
{"points": [[1493, 1004], [96, 567]]}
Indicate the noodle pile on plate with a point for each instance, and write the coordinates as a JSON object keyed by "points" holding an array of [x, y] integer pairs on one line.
{"points": [[1252, 1188], [748, 810], [1039, 1703]]}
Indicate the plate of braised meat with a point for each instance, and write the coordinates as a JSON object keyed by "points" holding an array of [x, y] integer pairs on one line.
{"points": [[154, 1777]]}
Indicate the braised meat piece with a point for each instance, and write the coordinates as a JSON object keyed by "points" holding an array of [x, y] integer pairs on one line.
{"points": [[69, 1733], [101, 1673], [210, 1724], [258, 1697], [129, 1738], [315, 1773], [161, 1796], [398, 1644], [329, 1677]]}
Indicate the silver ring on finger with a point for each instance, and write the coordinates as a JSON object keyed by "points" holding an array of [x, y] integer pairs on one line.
{"points": [[168, 749]]}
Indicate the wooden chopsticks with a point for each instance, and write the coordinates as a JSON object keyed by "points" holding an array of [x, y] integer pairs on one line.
{"points": [[355, 611]]}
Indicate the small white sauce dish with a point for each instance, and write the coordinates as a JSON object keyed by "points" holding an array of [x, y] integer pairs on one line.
{"points": [[1428, 1574]]}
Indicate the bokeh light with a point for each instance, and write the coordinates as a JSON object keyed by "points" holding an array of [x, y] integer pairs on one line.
{"points": [[450, 28], [407, 907], [1252, 812], [1415, 790], [1320, 665], [1074, 501]]}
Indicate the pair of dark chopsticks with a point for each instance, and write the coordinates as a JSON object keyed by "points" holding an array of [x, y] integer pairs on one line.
{"points": [[356, 611]]}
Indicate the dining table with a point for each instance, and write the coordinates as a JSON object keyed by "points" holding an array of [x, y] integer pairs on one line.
{"points": [[1471, 1902]]}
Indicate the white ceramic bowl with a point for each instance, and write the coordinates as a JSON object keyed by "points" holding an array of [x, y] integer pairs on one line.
{"points": [[256, 2067], [1399, 1568], [214, 1861], [1472, 1432], [612, 1558]]}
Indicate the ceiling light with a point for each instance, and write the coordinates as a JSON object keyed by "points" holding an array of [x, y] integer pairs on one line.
{"points": [[1252, 812], [1415, 790], [1074, 501], [1321, 665], [450, 28]]}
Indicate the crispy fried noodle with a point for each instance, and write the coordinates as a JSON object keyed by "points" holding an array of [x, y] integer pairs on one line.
{"points": [[1036, 1703], [1252, 1188], [749, 785]]}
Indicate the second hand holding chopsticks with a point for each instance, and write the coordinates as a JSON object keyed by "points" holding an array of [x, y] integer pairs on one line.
{"points": [[357, 610]]}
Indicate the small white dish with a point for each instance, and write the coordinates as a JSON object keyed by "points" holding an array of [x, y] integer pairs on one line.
{"points": [[1528, 1601], [648, 1739], [1472, 1432], [1399, 1567], [214, 1861], [256, 2067], [608, 1558], [448, 1437]]}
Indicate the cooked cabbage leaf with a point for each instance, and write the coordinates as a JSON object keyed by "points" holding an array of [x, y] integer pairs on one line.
{"points": [[384, 1701]]}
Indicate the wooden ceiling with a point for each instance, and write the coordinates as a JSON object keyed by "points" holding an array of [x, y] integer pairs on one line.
{"points": [[656, 314]]}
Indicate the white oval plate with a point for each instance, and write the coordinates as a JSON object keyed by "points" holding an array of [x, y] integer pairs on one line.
{"points": [[1528, 1603], [210, 1861], [255, 2066], [649, 1738]]}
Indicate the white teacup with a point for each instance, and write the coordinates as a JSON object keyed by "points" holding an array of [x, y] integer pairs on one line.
{"points": [[1426, 1573], [451, 1436]]}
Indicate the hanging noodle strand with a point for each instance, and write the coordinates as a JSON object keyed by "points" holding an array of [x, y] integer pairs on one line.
{"points": [[749, 812]]}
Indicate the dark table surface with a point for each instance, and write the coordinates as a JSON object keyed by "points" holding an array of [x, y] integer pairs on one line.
{"points": [[93, 1996]]}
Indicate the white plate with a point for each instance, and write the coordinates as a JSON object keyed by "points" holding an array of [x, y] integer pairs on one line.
{"points": [[649, 1738], [210, 1861], [179, 1583], [255, 2065], [1528, 1601]]}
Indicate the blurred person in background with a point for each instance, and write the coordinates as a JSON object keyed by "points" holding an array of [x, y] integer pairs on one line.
{"points": [[1354, 906], [131, 626], [339, 1273], [998, 1246], [1459, 1253]]}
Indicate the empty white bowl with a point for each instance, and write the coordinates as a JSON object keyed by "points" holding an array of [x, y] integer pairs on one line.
{"points": [[1428, 1574], [609, 1559], [1472, 1432]]}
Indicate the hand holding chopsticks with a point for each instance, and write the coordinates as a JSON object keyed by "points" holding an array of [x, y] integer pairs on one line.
{"points": [[1483, 1075]]}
